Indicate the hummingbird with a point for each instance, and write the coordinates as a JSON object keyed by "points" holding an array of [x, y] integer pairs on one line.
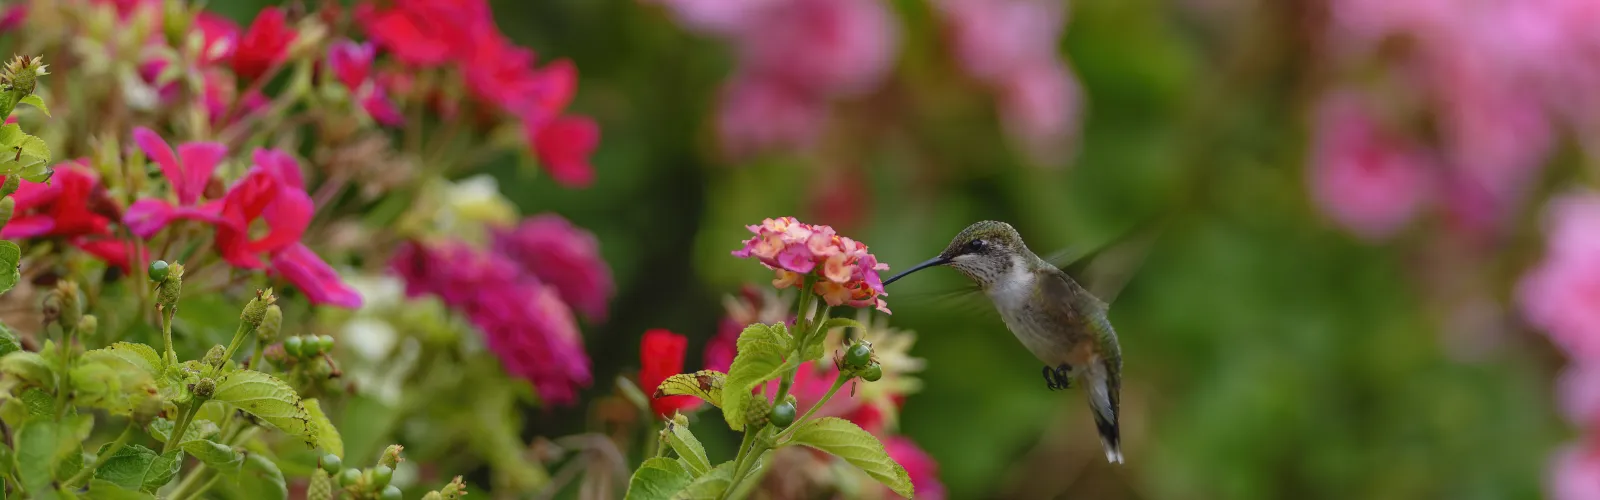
{"points": [[1060, 322]]}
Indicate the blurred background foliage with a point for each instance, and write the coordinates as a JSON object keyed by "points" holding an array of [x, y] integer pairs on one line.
{"points": [[1267, 353]]}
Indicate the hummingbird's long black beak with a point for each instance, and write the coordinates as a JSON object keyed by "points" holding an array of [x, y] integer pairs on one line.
{"points": [[936, 261]]}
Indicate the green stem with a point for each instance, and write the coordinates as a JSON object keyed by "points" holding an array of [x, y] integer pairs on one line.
{"points": [[166, 334], [838, 381], [238, 338], [182, 491], [64, 385], [180, 427], [746, 450], [88, 469], [255, 359]]}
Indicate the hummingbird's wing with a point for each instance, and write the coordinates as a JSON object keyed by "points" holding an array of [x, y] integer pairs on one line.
{"points": [[1104, 269], [967, 298]]}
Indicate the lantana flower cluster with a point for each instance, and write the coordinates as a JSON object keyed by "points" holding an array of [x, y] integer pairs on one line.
{"points": [[846, 273]]}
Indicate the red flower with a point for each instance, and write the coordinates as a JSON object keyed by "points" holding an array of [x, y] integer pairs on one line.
{"points": [[273, 191], [73, 205], [189, 170], [563, 148], [661, 356], [263, 45], [426, 32]]}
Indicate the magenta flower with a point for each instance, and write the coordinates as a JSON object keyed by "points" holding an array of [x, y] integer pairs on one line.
{"points": [[563, 256], [351, 62], [1578, 393], [264, 44], [302, 268], [1575, 474], [834, 47], [757, 114], [1371, 183], [563, 147], [1561, 294], [272, 191], [924, 471], [188, 170], [847, 274], [524, 322], [1039, 106], [994, 39]]}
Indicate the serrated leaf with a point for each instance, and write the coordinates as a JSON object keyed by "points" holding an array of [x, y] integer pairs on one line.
{"points": [[199, 429], [324, 434], [704, 384], [218, 456], [129, 355], [8, 338], [689, 448], [35, 101], [29, 367], [657, 479], [761, 349], [262, 478], [138, 468], [105, 490], [846, 440], [268, 399], [39, 403], [712, 485], [21, 153], [41, 446]]}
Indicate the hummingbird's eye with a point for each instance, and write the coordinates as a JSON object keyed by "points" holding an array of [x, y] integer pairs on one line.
{"points": [[977, 245]]}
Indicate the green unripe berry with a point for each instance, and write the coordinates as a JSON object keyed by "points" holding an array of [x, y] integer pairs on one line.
{"points": [[324, 344], [381, 474], [858, 355], [782, 415], [331, 463], [390, 492], [293, 346], [349, 477], [159, 270], [872, 373]]}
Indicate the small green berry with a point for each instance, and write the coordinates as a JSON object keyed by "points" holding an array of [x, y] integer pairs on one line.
{"points": [[331, 463], [390, 492], [324, 344], [349, 477], [872, 373], [381, 474], [159, 270], [294, 346], [858, 355], [782, 415]]}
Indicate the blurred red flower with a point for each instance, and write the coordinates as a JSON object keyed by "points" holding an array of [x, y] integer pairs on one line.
{"points": [[425, 32], [272, 191], [923, 470], [263, 45], [661, 356], [72, 205], [563, 148]]}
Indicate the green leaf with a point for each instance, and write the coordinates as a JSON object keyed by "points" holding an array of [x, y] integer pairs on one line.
{"points": [[43, 444], [832, 323], [35, 101], [21, 153], [689, 448], [29, 367], [759, 359], [712, 485], [106, 490], [69, 465], [8, 339], [138, 468], [263, 479], [704, 384], [130, 355], [39, 403], [268, 399], [161, 429], [657, 479], [324, 434], [216, 455], [848, 441]]}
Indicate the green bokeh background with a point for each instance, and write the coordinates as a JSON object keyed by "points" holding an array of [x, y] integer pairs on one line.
{"points": [[1267, 354]]}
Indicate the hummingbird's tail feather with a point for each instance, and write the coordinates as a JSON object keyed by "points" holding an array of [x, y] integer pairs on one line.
{"points": [[1103, 388]]}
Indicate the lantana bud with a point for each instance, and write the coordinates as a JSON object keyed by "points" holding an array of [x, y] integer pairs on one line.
{"points": [[22, 73], [88, 326], [271, 324], [171, 288], [71, 308], [214, 356], [453, 491], [204, 389], [391, 456], [321, 487], [256, 311], [756, 413]]}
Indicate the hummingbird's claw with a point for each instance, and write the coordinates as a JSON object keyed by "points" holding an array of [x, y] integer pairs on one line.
{"points": [[1058, 378]]}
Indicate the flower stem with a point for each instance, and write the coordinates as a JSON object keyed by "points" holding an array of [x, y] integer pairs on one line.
{"points": [[238, 338], [64, 385], [166, 334], [180, 427], [255, 358], [742, 463], [88, 469], [839, 381], [202, 489]]}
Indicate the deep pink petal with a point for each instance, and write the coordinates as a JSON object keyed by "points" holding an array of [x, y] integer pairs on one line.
{"points": [[563, 147], [261, 194], [321, 284], [31, 195], [113, 251], [28, 226], [158, 151], [377, 104], [282, 165], [200, 160], [147, 217]]}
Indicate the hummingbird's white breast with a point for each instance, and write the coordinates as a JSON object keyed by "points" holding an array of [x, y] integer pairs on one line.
{"points": [[1013, 297]]}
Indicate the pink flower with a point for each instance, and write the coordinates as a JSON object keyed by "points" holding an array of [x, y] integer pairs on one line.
{"points": [[718, 17], [1561, 294], [263, 45], [351, 62], [523, 322], [758, 114], [272, 191], [563, 147], [1040, 105], [221, 37], [836, 47], [312, 276], [923, 470], [563, 256], [1578, 393], [425, 32], [188, 171], [13, 16], [995, 39], [1575, 474], [1371, 183], [786, 246], [375, 101]]}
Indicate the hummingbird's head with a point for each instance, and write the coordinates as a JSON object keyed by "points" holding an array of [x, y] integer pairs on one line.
{"points": [[985, 252]]}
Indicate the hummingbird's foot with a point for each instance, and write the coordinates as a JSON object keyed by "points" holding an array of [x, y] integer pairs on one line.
{"points": [[1058, 378]]}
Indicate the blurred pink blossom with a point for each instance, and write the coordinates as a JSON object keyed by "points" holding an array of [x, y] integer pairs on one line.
{"points": [[1561, 294], [1575, 474], [833, 47], [1578, 393], [351, 62], [923, 470], [187, 170], [564, 256], [1040, 106], [524, 322], [759, 114], [1367, 181]]}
